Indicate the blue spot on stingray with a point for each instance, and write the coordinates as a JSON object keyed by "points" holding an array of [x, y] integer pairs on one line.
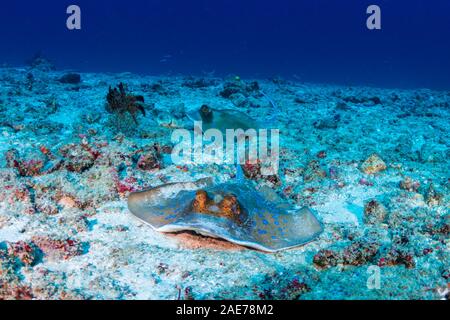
{"points": [[276, 223], [262, 231], [172, 216], [265, 221]]}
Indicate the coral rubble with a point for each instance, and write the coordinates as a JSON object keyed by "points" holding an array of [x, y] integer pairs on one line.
{"points": [[372, 165]]}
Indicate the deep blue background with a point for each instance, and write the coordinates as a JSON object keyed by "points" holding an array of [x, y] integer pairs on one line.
{"points": [[315, 40]]}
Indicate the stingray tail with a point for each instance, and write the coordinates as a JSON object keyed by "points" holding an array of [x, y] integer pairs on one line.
{"points": [[271, 120], [239, 174]]}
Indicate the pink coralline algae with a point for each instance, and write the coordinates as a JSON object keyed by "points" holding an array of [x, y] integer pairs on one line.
{"points": [[365, 182], [78, 157], [29, 167], [149, 161], [11, 288], [253, 171], [56, 249], [32, 166], [27, 253], [126, 186]]}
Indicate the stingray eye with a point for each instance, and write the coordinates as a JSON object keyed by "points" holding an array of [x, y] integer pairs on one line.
{"points": [[205, 111]]}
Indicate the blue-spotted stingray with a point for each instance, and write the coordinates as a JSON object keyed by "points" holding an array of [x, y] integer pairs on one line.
{"points": [[223, 119], [233, 211]]}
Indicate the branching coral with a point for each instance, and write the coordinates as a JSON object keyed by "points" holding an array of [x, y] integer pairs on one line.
{"points": [[121, 102]]}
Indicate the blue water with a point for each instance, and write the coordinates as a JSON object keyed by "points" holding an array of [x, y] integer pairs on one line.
{"points": [[319, 41]]}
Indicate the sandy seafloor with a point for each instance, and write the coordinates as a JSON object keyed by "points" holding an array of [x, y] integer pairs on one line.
{"points": [[66, 232]]}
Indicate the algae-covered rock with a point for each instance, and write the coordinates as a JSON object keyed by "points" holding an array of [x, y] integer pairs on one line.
{"points": [[314, 171], [373, 164], [374, 212], [433, 198], [409, 184]]}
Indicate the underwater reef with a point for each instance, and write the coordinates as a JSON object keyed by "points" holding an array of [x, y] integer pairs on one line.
{"points": [[373, 164]]}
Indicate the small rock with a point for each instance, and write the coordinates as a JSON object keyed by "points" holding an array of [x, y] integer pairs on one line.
{"points": [[410, 185], [74, 222], [314, 171], [360, 252], [67, 202], [149, 161], [433, 198], [373, 164], [254, 171], [398, 257], [78, 157], [56, 249], [327, 258], [374, 212]]}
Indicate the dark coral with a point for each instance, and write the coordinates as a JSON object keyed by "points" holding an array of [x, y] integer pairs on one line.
{"points": [[70, 78], [326, 258], [121, 102], [277, 287], [198, 83], [358, 253], [239, 87], [398, 256]]}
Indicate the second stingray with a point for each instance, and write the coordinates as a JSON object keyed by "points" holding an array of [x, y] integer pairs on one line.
{"points": [[223, 119]]}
